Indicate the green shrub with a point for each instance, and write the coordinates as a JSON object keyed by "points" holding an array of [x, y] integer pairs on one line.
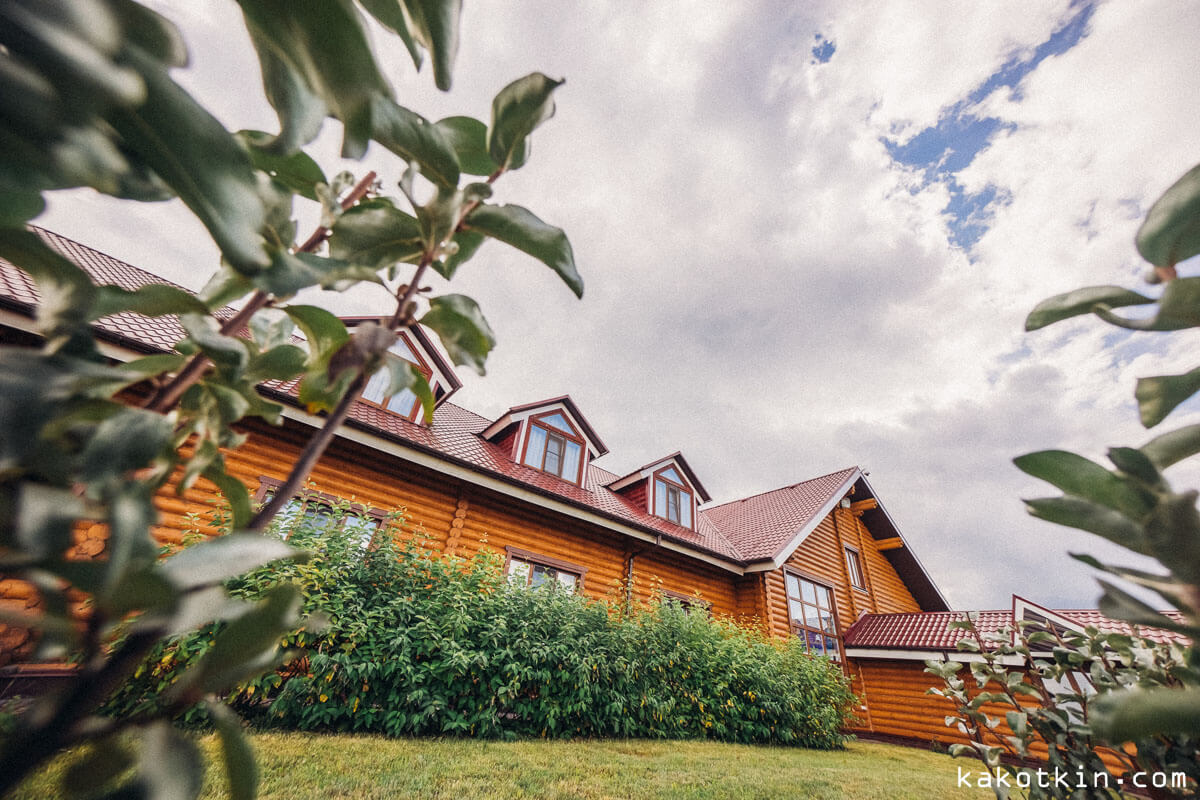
{"points": [[420, 644]]}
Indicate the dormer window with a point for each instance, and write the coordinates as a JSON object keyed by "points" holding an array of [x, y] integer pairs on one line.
{"points": [[554, 446], [412, 345], [405, 403], [672, 500]]}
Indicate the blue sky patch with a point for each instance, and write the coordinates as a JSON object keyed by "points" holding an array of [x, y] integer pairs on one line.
{"points": [[942, 150], [823, 50]]}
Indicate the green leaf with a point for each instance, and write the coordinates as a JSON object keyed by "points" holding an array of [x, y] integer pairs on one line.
{"points": [[291, 272], [151, 300], [326, 45], [234, 491], [1166, 586], [171, 765], [214, 560], [415, 139], [280, 363], [45, 517], [1076, 475], [465, 334], [141, 589], [517, 110], [435, 25], [240, 766], [403, 375], [1143, 713], [1178, 308], [463, 245], [1081, 301], [103, 762], [301, 112], [201, 161], [1091, 517], [248, 645], [324, 332], [1171, 230], [1120, 604], [377, 234], [520, 228], [1160, 395], [1135, 463], [124, 442], [1173, 446], [151, 32], [226, 352], [65, 291], [468, 137], [297, 171], [1173, 532], [393, 16]]}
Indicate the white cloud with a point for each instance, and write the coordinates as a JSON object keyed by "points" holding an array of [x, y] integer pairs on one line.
{"points": [[766, 289]]}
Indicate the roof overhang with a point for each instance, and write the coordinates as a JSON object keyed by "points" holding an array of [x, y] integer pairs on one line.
{"points": [[896, 654], [645, 471], [882, 527]]}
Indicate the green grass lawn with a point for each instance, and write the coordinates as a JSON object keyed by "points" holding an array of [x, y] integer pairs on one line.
{"points": [[299, 766]]}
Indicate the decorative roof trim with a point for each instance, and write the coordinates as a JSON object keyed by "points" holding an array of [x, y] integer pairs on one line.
{"points": [[645, 471], [522, 412]]}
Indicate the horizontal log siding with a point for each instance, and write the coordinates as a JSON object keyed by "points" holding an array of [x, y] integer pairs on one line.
{"points": [[659, 569], [889, 595], [494, 521]]}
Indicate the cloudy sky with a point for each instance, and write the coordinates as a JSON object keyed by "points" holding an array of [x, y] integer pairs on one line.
{"points": [[810, 234]]}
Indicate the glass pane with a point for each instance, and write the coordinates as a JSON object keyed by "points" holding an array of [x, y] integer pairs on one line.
{"points": [[403, 402], [402, 349], [796, 609], [660, 499], [568, 580], [672, 504], [554, 454], [831, 647], [518, 571], [375, 388], [685, 510], [571, 463], [812, 617], [827, 622], [536, 448], [825, 597], [670, 474], [539, 574], [809, 592], [815, 642], [557, 421], [361, 528], [793, 585]]}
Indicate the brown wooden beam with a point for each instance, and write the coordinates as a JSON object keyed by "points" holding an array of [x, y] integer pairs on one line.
{"points": [[889, 544], [859, 506]]}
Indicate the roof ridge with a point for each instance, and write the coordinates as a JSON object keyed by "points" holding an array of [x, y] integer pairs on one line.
{"points": [[781, 488]]}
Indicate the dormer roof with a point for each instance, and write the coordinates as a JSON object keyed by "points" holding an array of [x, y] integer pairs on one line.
{"points": [[444, 381], [517, 414], [644, 472]]}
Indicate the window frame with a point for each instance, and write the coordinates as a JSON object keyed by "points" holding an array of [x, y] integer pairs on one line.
{"points": [[800, 627], [557, 564], [421, 365], [854, 568], [689, 602], [684, 491], [549, 430], [267, 485]]}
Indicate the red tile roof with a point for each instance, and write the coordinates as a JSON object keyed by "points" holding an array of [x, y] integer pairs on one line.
{"points": [[930, 630], [755, 529], [764, 523]]}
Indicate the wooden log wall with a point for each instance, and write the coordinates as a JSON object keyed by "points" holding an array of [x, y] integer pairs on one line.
{"points": [[822, 557]]}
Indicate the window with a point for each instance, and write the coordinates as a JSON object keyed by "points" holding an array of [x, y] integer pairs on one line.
{"points": [[810, 606], [405, 403], [672, 499], [554, 446], [854, 568], [533, 570], [317, 511], [690, 603]]}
